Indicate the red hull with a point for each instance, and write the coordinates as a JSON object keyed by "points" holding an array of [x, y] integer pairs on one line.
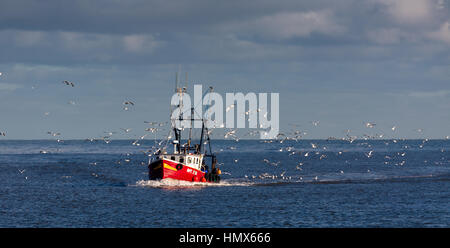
{"points": [[168, 169]]}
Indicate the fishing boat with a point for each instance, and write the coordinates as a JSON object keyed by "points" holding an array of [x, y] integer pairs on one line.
{"points": [[187, 161]]}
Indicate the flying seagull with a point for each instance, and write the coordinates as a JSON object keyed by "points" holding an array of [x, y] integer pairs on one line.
{"points": [[370, 125], [69, 83]]}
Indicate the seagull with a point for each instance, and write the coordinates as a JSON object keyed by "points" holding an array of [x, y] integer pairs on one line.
{"points": [[53, 134], [151, 123], [275, 163], [162, 124], [393, 128], [230, 133], [315, 123], [21, 171], [143, 136], [126, 130], [151, 129], [230, 107], [0, 73], [370, 125], [109, 133], [128, 102], [3, 133], [68, 83]]}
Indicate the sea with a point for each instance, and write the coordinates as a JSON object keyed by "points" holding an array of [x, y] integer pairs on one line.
{"points": [[304, 183]]}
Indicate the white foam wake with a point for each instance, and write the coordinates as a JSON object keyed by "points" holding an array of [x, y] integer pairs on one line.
{"points": [[168, 182]]}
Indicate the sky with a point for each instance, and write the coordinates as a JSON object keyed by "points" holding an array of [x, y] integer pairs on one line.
{"points": [[342, 63]]}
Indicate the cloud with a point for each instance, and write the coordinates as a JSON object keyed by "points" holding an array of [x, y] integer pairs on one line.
{"points": [[410, 11], [388, 35], [286, 25], [432, 94], [140, 43], [442, 34], [9, 87], [28, 38], [56, 47]]}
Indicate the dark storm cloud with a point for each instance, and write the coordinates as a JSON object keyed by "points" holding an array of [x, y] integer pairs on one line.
{"points": [[127, 17], [117, 32], [309, 51]]}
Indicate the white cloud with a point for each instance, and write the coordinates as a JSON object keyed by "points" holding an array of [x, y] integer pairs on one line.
{"points": [[442, 34], [387, 35], [425, 94], [140, 43], [410, 11], [75, 46], [9, 87], [286, 25], [28, 38]]}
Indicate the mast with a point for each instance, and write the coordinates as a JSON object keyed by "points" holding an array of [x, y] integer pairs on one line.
{"points": [[192, 118], [201, 137], [177, 131], [190, 130]]}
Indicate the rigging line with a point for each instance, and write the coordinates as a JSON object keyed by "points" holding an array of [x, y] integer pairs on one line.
{"points": [[182, 112], [201, 100]]}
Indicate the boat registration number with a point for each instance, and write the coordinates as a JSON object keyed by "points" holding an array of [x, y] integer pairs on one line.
{"points": [[191, 171]]}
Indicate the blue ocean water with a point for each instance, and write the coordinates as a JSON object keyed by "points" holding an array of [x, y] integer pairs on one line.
{"points": [[309, 183]]}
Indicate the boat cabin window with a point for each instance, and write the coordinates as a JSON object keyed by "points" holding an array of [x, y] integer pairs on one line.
{"points": [[189, 160], [181, 160], [172, 158]]}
